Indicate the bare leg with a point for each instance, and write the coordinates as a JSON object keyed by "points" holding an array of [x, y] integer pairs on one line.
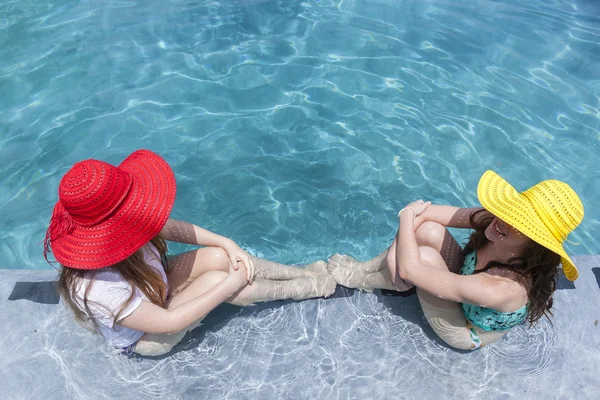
{"points": [[446, 317], [373, 265], [375, 274], [321, 285], [154, 344], [366, 276], [266, 269], [318, 285], [260, 290], [273, 281], [366, 282], [186, 267]]}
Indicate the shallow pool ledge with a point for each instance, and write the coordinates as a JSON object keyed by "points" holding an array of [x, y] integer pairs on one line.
{"points": [[353, 345]]}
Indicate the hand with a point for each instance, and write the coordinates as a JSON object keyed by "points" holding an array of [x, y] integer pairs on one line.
{"points": [[238, 274], [236, 255], [419, 206]]}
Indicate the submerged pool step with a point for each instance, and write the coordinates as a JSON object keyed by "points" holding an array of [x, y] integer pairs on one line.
{"points": [[352, 345]]}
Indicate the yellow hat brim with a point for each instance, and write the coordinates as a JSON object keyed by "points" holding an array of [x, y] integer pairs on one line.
{"points": [[505, 202]]}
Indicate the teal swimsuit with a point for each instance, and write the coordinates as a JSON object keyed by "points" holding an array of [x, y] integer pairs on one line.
{"points": [[486, 318]]}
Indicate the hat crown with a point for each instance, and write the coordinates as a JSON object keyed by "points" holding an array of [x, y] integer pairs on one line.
{"points": [[557, 204], [91, 191]]}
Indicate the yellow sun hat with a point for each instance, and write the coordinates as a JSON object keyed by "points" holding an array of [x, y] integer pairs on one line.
{"points": [[546, 212]]}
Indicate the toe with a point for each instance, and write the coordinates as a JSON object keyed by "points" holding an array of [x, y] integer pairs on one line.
{"points": [[331, 267], [335, 259], [330, 286], [319, 267], [348, 262]]}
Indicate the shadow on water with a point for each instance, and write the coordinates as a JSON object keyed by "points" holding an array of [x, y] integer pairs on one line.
{"points": [[38, 292]]}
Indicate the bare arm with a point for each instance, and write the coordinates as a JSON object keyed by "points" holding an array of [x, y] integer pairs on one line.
{"points": [[151, 318], [481, 289], [185, 232], [449, 216]]}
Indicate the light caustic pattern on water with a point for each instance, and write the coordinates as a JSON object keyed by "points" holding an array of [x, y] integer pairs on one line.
{"points": [[298, 128]]}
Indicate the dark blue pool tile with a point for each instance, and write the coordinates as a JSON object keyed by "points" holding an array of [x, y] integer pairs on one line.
{"points": [[38, 292], [564, 283], [596, 271]]}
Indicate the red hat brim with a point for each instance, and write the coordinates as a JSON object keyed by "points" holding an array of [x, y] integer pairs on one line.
{"points": [[140, 217]]}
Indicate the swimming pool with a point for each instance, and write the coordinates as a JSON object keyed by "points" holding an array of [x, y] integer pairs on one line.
{"points": [[298, 128]]}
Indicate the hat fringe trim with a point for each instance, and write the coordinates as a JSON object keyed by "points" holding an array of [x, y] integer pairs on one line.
{"points": [[60, 224]]}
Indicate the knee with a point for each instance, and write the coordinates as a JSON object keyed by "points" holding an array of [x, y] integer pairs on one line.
{"points": [[430, 234], [390, 257], [430, 256], [218, 258]]}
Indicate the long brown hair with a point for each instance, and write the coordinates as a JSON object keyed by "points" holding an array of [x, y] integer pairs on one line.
{"points": [[133, 269], [536, 269]]}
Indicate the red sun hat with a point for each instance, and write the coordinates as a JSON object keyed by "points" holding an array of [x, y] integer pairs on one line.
{"points": [[105, 213]]}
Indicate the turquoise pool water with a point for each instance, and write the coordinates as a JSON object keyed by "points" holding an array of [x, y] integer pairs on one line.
{"points": [[298, 128]]}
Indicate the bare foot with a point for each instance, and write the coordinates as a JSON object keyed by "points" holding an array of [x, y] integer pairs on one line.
{"points": [[351, 278], [323, 281], [325, 285], [373, 265], [345, 261], [318, 268], [319, 285]]}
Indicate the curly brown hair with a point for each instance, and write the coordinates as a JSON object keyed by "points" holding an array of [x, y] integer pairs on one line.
{"points": [[133, 269], [536, 269]]}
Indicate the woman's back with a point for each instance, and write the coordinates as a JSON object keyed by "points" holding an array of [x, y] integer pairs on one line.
{"points": [[108, 294]]}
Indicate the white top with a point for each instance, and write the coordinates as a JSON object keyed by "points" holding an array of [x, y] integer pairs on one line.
{"points": [[108, 294]]}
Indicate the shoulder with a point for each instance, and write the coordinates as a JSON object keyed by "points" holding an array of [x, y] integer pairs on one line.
{"points": [[107, 295], [505, 294], [103, 282]]}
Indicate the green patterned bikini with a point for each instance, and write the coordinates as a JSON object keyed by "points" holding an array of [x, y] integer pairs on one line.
{"points": [[489, 319]]}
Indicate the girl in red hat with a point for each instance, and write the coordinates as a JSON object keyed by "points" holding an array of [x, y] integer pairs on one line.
{"points": [[109, 230]]}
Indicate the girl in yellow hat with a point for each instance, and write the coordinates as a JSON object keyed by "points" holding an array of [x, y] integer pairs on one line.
{"points": [[504, 276]]}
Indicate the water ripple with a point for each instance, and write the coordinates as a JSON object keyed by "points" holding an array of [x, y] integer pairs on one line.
{"points": [[278, 116]]}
